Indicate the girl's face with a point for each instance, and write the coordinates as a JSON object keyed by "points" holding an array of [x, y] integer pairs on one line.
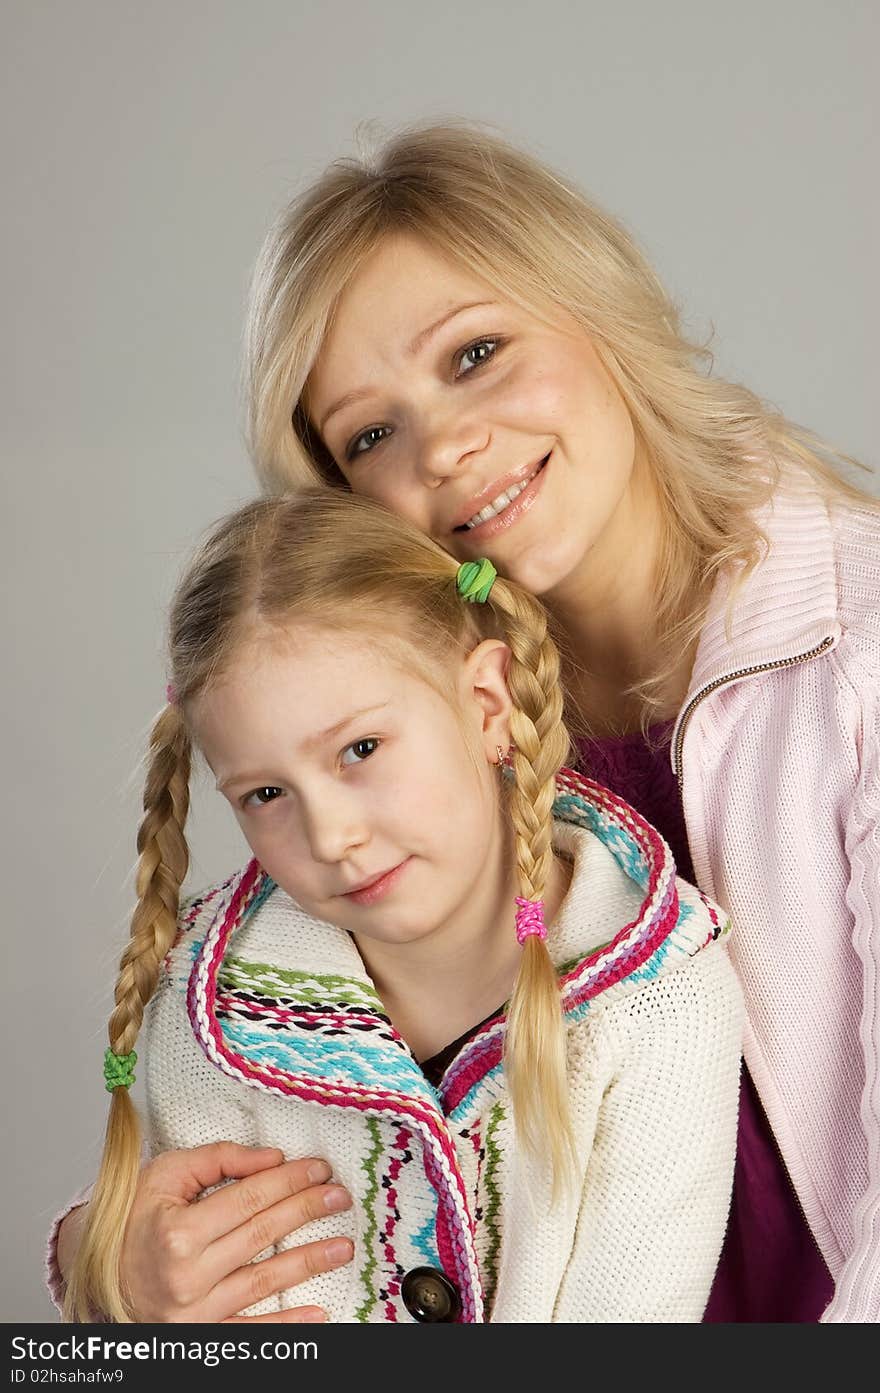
{"points": [[362, 791], [494, 432]]}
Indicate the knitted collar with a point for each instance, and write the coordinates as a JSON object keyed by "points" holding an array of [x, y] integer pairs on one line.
{"points": [[789, 603]]}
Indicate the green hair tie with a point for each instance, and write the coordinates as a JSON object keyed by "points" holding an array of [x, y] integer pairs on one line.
{"points": [[475, 579], [118, 1070]]}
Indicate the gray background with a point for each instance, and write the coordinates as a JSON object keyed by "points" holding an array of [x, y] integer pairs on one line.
{"points": [[146, 147]]}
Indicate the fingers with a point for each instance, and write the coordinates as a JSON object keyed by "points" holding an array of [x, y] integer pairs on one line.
{"points": [[270, 1225], [234, 1205], [183, 1175], [257, 1280], [189, 1258]]}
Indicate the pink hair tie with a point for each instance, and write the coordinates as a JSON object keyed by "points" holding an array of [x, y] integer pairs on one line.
{"points": [[529, 919], [170, 694]]}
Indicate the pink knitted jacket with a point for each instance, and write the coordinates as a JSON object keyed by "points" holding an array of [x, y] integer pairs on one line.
{"points": [[777, 750]]}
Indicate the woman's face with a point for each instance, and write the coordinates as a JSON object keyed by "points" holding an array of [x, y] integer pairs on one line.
{"points": [[496, 433]]}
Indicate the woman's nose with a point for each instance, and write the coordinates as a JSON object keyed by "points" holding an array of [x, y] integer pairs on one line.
{"points": [[450, 441]]}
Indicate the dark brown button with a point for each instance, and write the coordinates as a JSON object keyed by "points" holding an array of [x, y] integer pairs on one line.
{"points": [[429, 1295]]}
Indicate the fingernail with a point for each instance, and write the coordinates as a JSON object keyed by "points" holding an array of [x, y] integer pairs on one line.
{"points": [[336, 1198], [339, 1250], [318, 1172], [314, 1316]]}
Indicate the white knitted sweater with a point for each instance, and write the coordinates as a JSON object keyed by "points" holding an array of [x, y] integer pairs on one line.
{"points": [[285, 1043]]}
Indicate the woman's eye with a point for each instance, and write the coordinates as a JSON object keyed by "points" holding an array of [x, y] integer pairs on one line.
{"points": [[358, 751], [475, 355], [366, 441], [259, 797]]}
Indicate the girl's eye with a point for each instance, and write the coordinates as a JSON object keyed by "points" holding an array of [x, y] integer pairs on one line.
{"points": [[475, 355], [259, 797], [366, 441], [359, 750]]}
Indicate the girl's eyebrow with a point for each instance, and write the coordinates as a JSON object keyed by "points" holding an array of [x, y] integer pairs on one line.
{"points": [[314, 741], [421, 339], [310, 744]]}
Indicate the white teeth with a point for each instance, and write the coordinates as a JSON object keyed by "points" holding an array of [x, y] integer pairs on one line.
{"points": [[500, 503]]}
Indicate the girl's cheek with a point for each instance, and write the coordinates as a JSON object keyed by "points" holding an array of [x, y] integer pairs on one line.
{"points": [[261, 830]]}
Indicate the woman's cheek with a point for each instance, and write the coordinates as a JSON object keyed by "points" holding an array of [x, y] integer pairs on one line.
{"points": [[535, 399]]}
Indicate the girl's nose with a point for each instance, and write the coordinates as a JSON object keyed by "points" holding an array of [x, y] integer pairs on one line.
{"points": [[334, 828]]}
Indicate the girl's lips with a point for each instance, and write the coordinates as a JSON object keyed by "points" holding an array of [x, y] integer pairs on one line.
{"points": [[509, 515], [377, 889]]}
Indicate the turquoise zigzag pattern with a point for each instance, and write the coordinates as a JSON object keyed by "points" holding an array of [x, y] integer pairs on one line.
{"points": [[333, 1059], [423, 1241]]}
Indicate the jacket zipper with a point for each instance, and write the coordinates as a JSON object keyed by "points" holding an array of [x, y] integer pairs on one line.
{"points": [[732, 677], [679, 744]]}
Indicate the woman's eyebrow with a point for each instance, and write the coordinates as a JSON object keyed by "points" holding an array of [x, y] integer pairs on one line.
{"points": [[425, 335], [348, 400], [421, 339]]}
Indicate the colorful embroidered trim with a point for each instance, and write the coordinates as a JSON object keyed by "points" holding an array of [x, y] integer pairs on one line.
{"points": [[455, 1235], [369, 1167], [475, 579], [493, 1205], [643, 853]]}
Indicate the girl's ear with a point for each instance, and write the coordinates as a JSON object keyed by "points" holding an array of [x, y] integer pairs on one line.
{"points": [[484, 693]]}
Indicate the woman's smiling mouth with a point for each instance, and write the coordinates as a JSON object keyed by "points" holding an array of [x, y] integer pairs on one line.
{"points": [[500, 510]]}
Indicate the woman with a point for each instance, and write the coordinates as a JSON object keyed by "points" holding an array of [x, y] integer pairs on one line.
{"points": [[459, 335]]}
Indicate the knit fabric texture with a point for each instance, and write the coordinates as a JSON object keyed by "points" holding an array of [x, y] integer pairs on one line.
{"points": [[267, 1029]]}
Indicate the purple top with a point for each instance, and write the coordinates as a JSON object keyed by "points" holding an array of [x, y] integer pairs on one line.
{"points": [[770, 1268]]}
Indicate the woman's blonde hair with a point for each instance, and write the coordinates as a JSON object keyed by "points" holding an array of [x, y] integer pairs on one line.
{"points": [[714, 449], [323, 558]]}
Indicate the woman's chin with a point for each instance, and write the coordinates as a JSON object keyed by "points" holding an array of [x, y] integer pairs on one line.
{"points": [[543, 570]]}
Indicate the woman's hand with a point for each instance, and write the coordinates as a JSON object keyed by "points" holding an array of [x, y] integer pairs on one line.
{"points": [[188, 1261]]}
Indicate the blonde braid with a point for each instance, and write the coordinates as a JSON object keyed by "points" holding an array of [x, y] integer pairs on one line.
{"points": [[95, 1284], [535, 1049]]}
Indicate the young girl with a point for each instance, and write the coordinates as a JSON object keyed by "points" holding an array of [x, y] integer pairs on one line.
{"points": [[390, 752]]}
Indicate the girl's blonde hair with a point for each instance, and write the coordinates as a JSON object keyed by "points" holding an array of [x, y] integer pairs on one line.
{"points": [[713, 448], [323, 558]]}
